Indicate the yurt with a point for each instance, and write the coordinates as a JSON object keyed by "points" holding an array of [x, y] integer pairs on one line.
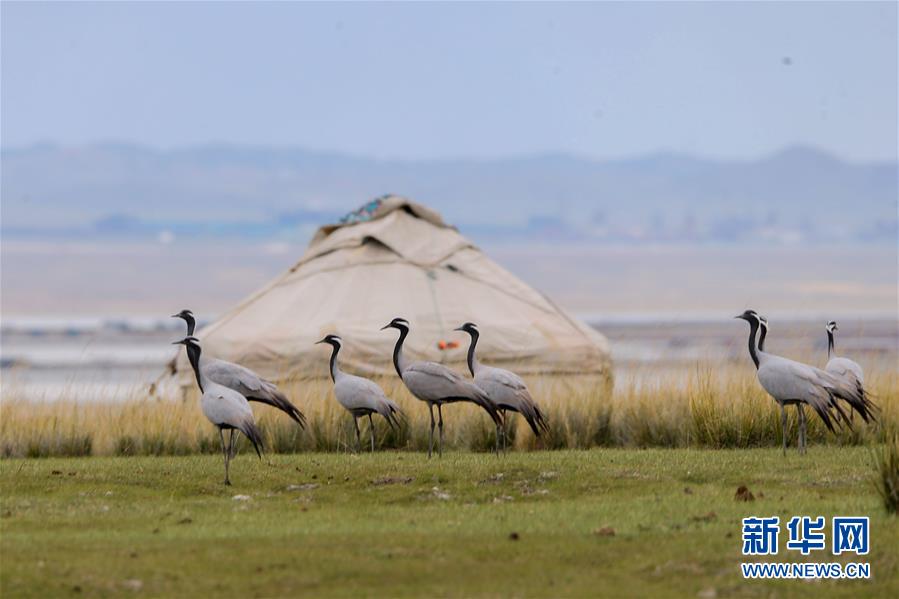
{"points": [[394, 257]]}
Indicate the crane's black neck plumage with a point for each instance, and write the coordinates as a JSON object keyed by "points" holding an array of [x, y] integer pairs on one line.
{"points": [[336, 348], [193, 354], [191, 324], [474, 342], [830, 348], [753, 328], [398, 348], [762, 334]]}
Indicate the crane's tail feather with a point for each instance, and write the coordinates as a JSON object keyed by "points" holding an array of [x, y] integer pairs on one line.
{"points": [[251, 432], [278, 400], [482, 400], [391, 413], [825, 415], [848, 421], [541, 419], [533, 416], [854, 394], [531, 412]]}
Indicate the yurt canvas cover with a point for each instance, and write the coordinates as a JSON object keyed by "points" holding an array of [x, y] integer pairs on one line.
{"points": [[394, 257]]}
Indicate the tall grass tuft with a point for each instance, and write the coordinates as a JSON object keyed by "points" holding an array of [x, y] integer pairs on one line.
{"points": [[715, 406], [886, 459]]}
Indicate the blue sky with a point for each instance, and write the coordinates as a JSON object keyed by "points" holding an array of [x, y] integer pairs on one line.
{"points": [[419, 81]]}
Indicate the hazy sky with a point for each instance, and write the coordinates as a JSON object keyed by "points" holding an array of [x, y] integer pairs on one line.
{"points": [[428, 80]]}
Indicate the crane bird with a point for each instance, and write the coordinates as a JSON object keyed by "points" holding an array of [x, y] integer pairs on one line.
{"points": [[847, 371], [763, 333], [506, 389], [360, 396], [790, 382], [224, 407], [243, 380], [435, 384]]}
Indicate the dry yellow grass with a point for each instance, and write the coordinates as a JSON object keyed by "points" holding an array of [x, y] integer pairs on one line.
{"points": [[707, 409]]}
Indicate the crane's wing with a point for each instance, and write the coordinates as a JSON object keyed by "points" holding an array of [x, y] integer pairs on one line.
{"points": [[787, 380], [251, 385], [507, 390], [430, 381], [226, 407], [436, 381], [234, 376], [502, 377], [354, 392], [845, 368]]}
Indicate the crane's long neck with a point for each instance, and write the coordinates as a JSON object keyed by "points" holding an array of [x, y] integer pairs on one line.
{"points": [[191, 325], [399, 361], [193, 354], [753, 329], [762, 334], [830, 348], [472, 358], [335, 371]]}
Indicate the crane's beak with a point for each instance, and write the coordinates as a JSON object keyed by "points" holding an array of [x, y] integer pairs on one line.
{"points": [[387, 326], [178, 342], [176, 316], [317, 342], [739, 316], [460, 329]]}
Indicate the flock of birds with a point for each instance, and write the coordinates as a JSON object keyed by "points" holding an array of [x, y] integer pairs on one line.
{"points": [[841, 383], [228, 388]]}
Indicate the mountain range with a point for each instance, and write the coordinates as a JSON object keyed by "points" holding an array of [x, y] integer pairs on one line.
{"points": [[117, 190]]}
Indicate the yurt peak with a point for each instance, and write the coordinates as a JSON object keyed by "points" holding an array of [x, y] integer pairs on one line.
{"points": [[380, 208]]}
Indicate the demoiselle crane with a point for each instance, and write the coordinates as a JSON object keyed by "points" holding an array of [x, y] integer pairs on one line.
{"points": [[225, 408], [800, 408], [242, 379], [360, 396], [794, 383], [435, 384], [843, 368], [506, 389]]}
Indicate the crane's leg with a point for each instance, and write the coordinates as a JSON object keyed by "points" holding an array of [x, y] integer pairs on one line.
{"points": [[225, 454], [232, 443], [499, 432], [502, 414], [431, 435], [783, 426], [801, 428], [371, 430], [358, 439], [440, 426]]}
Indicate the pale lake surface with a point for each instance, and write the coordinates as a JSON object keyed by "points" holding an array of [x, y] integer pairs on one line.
{"points": [[91, 359]]}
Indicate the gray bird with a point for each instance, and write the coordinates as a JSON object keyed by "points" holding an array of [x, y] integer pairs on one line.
{"points": [[847, 371], [243, 380], [360, 396], [225, 408], [435, 384], [506, 389], [794, 383]]}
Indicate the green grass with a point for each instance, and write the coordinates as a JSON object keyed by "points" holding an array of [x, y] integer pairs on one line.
{"points": [[396, 524]]}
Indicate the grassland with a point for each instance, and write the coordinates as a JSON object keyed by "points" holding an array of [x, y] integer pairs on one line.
{"points": [[714, 407], [604, 522]]}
